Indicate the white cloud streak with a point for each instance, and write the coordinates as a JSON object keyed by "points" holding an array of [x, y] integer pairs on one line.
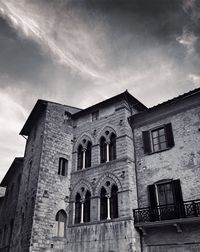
{"points": [[26, 18]]}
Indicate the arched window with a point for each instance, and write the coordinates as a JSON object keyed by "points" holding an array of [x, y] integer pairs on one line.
{"points": [[86, 215], [114, 202], [61, 219], [78, 208], [103, 205], [103, 150], [80, 157], [88, 153], [112, 147]]}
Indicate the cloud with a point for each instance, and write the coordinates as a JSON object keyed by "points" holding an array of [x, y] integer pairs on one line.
{"points": [[81, 52], [195, 79], [12, 118]]}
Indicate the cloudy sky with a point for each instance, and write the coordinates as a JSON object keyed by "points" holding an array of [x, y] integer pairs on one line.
{"points": [[79, 52]]}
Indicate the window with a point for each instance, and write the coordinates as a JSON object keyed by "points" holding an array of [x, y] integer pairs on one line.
{"points": [[5, 235], [114, 202], [95, 115], [108, 147], [112, 147], [80, 157], [82, 207], [166, 197], [63, 167], [84, 155], [11, 230], [103, 205], [60, 226], [158, 139], [88, 153], [78, 208], [103, 150], [109, 203], [86, 214]]}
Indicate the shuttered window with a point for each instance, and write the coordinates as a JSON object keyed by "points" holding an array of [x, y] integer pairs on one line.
{"points": [[164, 193], [158, 139]]}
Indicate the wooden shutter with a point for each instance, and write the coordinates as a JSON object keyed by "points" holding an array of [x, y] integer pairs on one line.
{"points": [[59, 171], [169, 135], [146, 142], [176, 185], [152, 196]]}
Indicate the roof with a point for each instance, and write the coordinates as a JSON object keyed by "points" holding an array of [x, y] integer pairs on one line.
{"points": [[15, 166], [122, 96], [38, 109], [177, 98], [168, 103], [34, 115]]}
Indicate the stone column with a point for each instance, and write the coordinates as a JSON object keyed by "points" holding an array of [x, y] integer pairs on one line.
{"points": [[82, 211], [108, 207], [84, 150], [107, 151]]}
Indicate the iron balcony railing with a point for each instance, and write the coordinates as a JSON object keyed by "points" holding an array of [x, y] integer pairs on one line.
{"points": [[4, 249], [187, 209]]}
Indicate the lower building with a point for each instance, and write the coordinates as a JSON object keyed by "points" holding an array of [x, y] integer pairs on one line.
{"points": [[116, 176]]}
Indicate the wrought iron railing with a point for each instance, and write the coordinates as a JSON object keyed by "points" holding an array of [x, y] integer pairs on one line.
{"points": [[4, 249], [187, 209]]}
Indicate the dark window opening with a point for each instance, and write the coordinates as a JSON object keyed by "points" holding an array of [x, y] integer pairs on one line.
{"points": [[80, 157], [114, 202], [103, 205], [103, 150], [63, 167], [78, 208], [112, 147], [88, 154], [86, 216]]}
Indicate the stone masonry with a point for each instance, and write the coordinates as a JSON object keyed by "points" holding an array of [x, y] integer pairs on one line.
{"points": [[55, 131]]}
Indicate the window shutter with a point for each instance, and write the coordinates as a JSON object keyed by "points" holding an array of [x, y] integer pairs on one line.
{"points": [[178, 198], [152, 196], [146, 142], [169, 135], [59, 167]]}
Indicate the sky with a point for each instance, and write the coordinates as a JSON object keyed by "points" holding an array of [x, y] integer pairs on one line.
{"points": [[80, 52]]}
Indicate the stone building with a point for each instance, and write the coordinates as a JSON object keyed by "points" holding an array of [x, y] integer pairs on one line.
{"points": [[113, 177]]}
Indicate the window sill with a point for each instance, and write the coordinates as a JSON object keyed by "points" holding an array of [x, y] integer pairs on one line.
{"points": [[154, 152], [58, 238], [100, 222], [102, 165]]}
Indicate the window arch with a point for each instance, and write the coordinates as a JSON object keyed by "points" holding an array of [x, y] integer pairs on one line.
{"points": [[103, 204], [61, 219], [82, 206], [114, 202], [108, 147], [84, 155], [86, 214], [78, 208]]}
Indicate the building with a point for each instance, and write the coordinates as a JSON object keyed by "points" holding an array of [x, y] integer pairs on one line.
{"points": [[113, 177]]}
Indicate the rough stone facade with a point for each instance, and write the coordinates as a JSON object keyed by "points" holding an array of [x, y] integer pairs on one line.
{"points": [[55, 131]]}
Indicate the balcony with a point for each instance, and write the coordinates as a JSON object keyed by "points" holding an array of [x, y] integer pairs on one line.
{"points": [[187, 212]]}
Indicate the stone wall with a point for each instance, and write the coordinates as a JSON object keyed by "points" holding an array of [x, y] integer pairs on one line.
{"points": [[179, 162]]}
